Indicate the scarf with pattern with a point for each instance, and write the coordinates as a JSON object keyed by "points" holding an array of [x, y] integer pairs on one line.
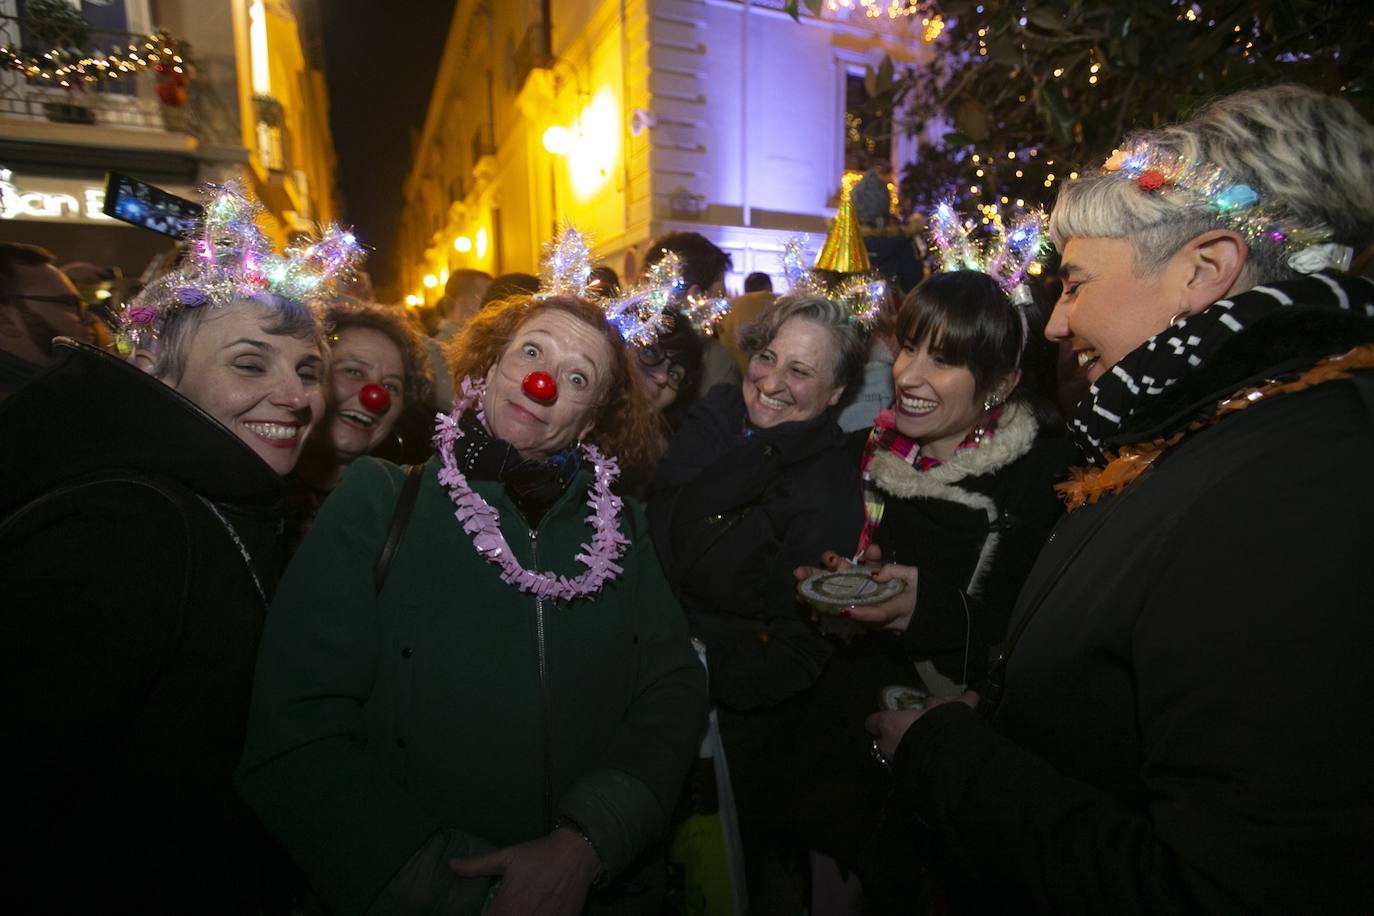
{"points": [[885, 438], [1144, 375]]}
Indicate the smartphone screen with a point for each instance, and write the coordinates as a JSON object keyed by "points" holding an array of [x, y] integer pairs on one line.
{"points": [[141, 204]]}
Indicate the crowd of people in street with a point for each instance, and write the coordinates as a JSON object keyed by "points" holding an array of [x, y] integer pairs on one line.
{"points": [[318, 605]]}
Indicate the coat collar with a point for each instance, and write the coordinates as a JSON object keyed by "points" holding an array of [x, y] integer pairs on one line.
{"points": [[90, 412], [1013, 438]]}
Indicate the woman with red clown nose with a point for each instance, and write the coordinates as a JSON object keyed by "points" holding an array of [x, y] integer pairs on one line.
{"points": [[497, 718], [378, 384]]}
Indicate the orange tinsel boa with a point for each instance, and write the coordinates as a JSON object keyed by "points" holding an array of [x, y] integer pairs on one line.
{"points": [[1088, 485]]}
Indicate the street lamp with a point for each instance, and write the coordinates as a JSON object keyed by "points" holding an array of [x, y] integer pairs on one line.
{"points": [[558, 140]]}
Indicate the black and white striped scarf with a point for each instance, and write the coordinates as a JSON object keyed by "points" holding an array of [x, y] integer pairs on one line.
{"points": [[1144, 376]]}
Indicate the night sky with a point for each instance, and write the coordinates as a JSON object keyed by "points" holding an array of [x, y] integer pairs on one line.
{"points": [[380, 71]]}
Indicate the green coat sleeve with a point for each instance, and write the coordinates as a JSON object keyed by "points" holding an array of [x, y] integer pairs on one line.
{"points": [[624, 806], [305, 770]]}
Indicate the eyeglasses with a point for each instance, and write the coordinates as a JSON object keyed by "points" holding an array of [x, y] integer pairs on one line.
{"points": [[652, 356]]}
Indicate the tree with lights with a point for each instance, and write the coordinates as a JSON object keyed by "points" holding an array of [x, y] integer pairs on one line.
{"points": [[1031, 92]]}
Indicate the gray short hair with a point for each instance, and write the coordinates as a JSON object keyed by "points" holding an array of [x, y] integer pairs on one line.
{"points": [[287, 316], [851, 342], [1309, 157]]}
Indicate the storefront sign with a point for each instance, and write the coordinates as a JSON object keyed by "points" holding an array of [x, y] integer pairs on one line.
{"points": [[56, 200]]}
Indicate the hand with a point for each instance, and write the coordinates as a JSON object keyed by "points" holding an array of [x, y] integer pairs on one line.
{"points": [[548, 876], [894, 613], [833, 562], [890, 727]]}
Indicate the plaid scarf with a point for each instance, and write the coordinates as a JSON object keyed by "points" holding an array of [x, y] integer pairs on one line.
{"points": [[1143, 376], [885, 438]]}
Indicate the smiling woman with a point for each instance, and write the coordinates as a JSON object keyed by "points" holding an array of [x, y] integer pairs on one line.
{"points": [[756, 482], [255, 367], [1148, 748], [139, 530], [378, 385]]}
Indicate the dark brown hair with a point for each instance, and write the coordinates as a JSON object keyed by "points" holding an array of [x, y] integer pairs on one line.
{"points": [[392, 323], [967, 319]]}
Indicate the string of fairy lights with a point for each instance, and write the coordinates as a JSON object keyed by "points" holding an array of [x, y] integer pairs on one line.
{"points": [[1016, 174], [66, 66]]}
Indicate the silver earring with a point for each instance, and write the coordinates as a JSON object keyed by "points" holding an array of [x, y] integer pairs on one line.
{"points": [[1180, 316], [990, 402]]}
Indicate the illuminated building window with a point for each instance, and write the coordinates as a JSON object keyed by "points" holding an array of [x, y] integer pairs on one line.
{"points": [[867, 128]]}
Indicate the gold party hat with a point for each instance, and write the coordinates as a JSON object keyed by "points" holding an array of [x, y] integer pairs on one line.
{"points": [[844, 247]]}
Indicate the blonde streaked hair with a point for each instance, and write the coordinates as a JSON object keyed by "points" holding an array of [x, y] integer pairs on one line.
{"points": [[1308, 156]]}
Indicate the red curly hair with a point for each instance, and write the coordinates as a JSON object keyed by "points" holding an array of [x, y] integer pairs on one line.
{"points": [[627, 425]]}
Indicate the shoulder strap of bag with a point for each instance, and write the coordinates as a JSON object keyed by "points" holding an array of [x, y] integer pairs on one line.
{"points": [[405, 504]]}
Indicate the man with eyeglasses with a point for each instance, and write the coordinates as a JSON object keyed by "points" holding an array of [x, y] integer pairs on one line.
{"points": [[37, 303]]}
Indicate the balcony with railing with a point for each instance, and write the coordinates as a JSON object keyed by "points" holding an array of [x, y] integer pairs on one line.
{"points": [[61, 70]]}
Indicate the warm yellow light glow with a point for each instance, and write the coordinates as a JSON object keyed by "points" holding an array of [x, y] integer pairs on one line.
{"points": [[257, 48], [596, 147], [430, 281], [102, 294], [482, 243], [1034, 268], [558, 140], [463, 244], [443, 275]]}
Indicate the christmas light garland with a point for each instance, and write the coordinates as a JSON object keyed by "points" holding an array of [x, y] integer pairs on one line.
{"points": [[158, 51]]}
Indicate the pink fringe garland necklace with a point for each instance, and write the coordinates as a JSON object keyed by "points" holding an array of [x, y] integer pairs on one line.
{"points": [[481, 521]]}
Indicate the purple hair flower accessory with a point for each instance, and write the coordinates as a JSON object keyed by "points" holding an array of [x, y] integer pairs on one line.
{"points": [[141, 315], [481, 521], [191, 297]]}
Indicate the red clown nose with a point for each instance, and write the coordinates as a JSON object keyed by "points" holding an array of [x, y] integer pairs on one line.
{"points": [[374, 398], [540, 386]]}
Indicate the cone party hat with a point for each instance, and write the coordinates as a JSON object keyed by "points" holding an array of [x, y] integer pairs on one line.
{"points": [[844, 249]]}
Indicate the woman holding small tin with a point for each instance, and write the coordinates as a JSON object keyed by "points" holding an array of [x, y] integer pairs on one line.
{"points": [[958, 482]]}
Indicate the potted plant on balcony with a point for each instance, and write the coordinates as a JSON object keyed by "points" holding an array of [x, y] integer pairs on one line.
{"points": [[57, 29]]}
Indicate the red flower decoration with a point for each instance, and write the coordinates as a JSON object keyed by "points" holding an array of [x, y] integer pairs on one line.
{"points": [[1151, 180]]}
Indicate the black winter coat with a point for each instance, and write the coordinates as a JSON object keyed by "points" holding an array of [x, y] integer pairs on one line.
{"points": [[732, 515], [129, 633], [972, 527], [1188, 721]]}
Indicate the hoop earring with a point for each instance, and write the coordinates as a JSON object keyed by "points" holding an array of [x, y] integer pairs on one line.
{"points": [[1180, 316]]}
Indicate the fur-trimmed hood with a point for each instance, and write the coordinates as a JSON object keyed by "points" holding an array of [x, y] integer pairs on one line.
{"points": [[1013, 438]]}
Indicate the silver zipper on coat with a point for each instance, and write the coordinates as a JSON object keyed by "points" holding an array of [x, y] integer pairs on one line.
{"points": [[544, 714], [233, 533]]}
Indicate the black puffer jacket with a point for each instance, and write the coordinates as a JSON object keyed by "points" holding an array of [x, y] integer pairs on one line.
{"points": [[129, 632], [1187, 723], [732, 515]]}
